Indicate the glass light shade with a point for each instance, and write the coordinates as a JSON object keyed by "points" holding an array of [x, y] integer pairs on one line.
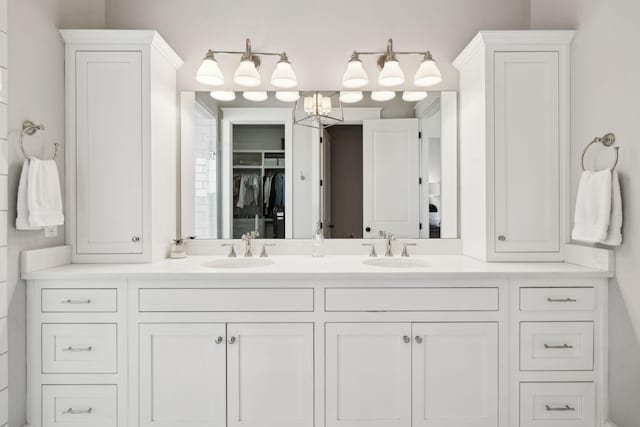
{"points": [[391, 74], [326, 105], [210, 73], [314, 104], [355, 76], [223, 95], [246, 74], [351, 96], [287, 95], [414, 95], [428, 74], [255, 95], [383, 95], [283, 76]]}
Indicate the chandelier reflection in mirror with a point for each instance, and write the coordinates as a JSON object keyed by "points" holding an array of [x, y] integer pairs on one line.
{"points": [[247, 75], [391, 73], [318, 110]]}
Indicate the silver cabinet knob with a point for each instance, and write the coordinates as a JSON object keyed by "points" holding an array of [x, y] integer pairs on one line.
{"points": [[219, 340], [502, 238], [135, 239], [419, 339], [232, 340], [406, 339]]}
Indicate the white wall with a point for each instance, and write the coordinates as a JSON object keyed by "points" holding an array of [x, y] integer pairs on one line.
{"points": [[318, 37], [36, 90], [605, 96]]}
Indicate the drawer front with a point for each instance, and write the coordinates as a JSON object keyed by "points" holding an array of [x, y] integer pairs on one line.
{"points": [[557, 299], [556, 346], [212, 300], [79, 405], [79, 348], [411, 299], [557, 405], [79, 300]]}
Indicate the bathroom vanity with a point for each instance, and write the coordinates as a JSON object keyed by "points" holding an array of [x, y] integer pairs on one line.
{"points": [[209, 341]]}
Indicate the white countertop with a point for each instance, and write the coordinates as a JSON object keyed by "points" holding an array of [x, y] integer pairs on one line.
{"points": [[306, 267]]}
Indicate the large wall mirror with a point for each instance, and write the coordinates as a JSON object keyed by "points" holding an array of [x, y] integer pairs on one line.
{"points": [[283, 168]]}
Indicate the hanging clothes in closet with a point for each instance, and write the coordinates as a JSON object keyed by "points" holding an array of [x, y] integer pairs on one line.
{"points": [[274, 187], [246, 190]]}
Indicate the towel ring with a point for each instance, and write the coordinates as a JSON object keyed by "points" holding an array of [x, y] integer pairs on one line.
{"points": [[29, 128], [608, 140]]}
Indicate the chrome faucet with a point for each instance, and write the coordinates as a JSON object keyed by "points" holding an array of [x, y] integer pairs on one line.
{"points": [[248, 239], [389, 238]]}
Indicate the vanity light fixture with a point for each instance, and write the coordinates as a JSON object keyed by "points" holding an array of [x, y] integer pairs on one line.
{"points": [[318, 109], [247, 75], [414, 95], [351, 96], [287, 95], [391, 73], [223, 95], [255, 95], [382, 95]]}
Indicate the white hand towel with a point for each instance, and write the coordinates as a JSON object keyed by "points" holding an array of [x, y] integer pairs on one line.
{"points": [[593, 206], [614, 232], [44, 198], [22, 207]]}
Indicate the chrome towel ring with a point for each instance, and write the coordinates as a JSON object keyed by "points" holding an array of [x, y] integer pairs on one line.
{"points": [[29, 128], [608, 140]]}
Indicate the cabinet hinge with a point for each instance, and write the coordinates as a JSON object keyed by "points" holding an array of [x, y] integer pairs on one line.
{"points": [[419, 135], [420, 226], [321, 140], [321, 183], [420, 180]]}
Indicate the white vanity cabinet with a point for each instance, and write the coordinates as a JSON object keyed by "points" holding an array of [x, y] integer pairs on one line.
{"points": [[226, 350], [121, 143], [514, 145]]}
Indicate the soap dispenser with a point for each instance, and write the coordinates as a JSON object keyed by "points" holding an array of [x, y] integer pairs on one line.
{"points": [[317, 242]]}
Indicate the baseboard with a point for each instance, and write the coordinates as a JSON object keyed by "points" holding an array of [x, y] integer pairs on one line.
{"points": [[609, 424]]}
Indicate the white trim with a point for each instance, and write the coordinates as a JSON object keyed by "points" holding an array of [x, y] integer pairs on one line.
{"points": [[609, 423], [254, 116], [42, 259], [588, 256]]}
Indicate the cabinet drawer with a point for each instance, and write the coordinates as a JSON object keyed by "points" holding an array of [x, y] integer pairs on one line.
{"points": [[210, 300], [79, 348], [411, 299], [556, 346], [557, 405], [557, 299], [79, 405], [79, 300]]}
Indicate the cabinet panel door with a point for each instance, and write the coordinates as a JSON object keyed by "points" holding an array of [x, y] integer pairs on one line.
{"points": [[455, 375], [368, 375], [182, 375], [270, 375], [109, 171], [527, 167]]}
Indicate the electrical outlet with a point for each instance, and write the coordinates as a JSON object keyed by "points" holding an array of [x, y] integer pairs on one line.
{"points": [[51, 231]]}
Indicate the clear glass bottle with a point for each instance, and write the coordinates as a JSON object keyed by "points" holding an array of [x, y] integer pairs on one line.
{"points": [[317, 242]]}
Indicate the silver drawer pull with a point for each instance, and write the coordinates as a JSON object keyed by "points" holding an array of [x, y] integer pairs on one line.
{"points": [[72, 411], [76, 301], [406, 339], [232, 340], [561, 300], [561, 408], [563, 346], [78, 348]]}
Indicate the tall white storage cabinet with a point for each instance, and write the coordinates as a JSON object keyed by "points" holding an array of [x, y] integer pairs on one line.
{"points": [[121, 126], [514, 145]]}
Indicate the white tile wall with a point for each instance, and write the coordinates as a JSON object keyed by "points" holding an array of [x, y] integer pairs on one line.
{"points": [[4, 90]]}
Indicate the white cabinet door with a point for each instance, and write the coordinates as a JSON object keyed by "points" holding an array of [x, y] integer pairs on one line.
{"points": [[455, 375], [182, 375], [368, 375], [391, 199], [109, 170], [270, 375], [527, 167]]}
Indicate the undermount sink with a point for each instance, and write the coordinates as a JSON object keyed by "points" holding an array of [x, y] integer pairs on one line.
{"points": [[396, 262], [239, 263]]}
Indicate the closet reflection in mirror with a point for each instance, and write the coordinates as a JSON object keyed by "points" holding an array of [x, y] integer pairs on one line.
{"points": [[383, 166]]}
